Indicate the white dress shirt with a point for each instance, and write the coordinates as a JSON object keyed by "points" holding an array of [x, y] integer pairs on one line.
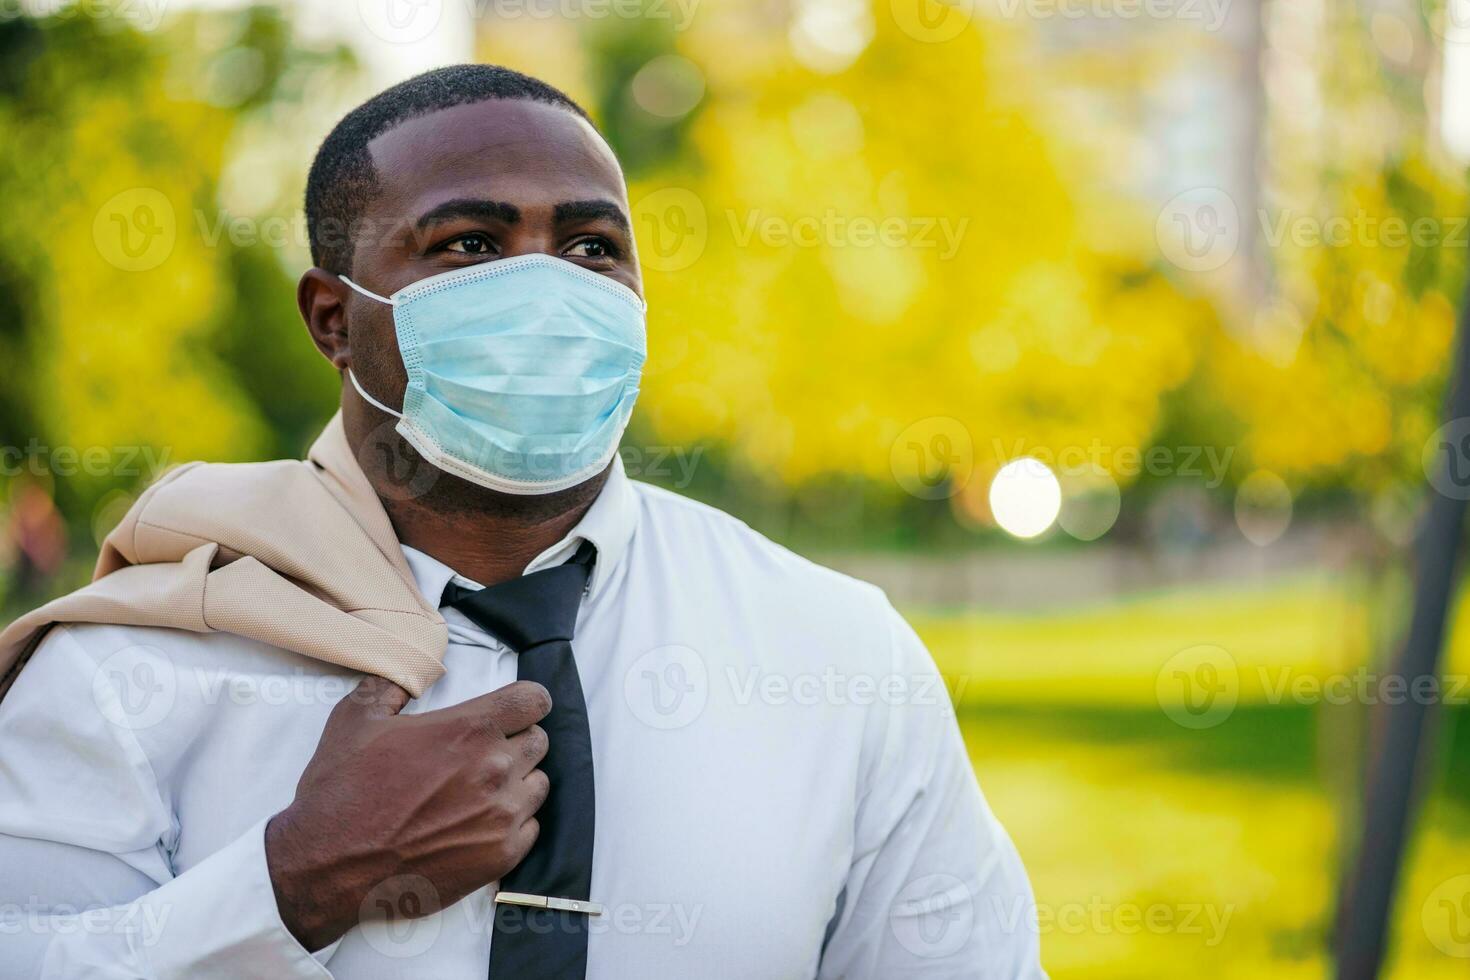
{"points": [[782, 791]]}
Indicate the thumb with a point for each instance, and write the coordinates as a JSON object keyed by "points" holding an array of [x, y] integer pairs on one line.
{"points": [[377, 697]]}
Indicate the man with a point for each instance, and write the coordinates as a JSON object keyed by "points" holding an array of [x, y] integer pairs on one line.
{"points": [[749, 770]]}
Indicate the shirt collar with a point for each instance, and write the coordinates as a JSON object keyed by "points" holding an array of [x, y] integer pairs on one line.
{"points": [[608, 524]]}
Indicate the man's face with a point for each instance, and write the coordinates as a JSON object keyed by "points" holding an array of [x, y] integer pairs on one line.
{"points": [[458, 187], [478, 183]]}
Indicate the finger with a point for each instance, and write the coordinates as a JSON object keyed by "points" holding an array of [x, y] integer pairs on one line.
{"points": [[509, 710], [529, 748], [538, 788], [376, 697], [526, 837]]}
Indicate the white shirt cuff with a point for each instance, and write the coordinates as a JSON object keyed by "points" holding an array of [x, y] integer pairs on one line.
{"points": [[219, 920]]}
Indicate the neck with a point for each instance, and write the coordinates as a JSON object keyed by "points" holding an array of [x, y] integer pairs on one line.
{"points": [[490, 537], [484, 535]]}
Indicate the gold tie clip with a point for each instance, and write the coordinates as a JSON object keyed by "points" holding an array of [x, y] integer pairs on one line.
{"points": [[545, 902]]}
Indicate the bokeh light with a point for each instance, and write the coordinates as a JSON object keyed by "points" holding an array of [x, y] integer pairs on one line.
{"points": [[1091, 502], [1263, 506], [1025, 497], [669, 86]]}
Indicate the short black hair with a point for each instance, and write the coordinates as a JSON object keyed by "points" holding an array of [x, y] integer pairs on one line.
{"points": [[342, 179]]}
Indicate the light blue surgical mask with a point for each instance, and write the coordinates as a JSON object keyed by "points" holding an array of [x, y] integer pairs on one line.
{"points": [[522, 372]]}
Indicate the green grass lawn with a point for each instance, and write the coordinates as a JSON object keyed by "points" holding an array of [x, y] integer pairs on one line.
{"points": [[1160, 850]]}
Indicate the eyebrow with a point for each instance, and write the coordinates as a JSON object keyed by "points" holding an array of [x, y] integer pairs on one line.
{"points": [[569, 211], [470, 207]]}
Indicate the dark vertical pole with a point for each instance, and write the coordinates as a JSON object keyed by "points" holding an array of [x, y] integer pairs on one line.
{"points": [[1367, 899]]}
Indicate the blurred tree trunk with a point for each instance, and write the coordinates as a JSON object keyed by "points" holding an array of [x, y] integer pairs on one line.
{"points": [[1400, 730]]}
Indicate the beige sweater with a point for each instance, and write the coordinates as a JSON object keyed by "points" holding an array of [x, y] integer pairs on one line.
{"points": [[297, 554]]}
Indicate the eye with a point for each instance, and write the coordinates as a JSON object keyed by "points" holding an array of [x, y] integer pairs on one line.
{"points": [[474, 243], [592, 248]]}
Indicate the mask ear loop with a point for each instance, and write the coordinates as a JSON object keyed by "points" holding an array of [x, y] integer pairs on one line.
{"points": [[352, 377], [367, 292], [370, 399]]}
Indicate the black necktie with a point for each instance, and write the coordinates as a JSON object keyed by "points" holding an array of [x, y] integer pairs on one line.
{"points": [[535, 615]]}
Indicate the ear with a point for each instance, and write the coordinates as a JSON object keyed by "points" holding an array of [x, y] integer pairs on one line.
{"points": [[321, 297]]}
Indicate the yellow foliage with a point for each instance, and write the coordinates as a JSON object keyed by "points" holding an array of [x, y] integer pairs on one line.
{"points": [[852, 254], [1340, 382], [115, 182]]}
